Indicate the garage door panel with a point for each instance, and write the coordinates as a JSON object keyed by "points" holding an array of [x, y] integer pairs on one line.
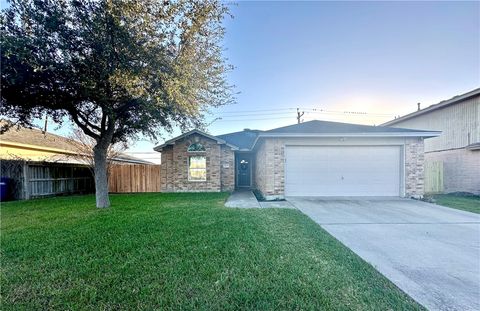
{"points": [[342, 171]]}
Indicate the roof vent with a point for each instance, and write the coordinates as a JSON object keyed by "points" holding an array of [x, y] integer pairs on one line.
{"points": [[418, 106], [247, 130]]}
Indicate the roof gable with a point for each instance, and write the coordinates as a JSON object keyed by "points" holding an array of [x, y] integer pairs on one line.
{"points": [[195, 131]]}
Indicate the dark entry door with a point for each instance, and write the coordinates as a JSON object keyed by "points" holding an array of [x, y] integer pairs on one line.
{"points": [[244, 170]]}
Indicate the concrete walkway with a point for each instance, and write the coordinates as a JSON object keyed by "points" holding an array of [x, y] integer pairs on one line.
{"points": [[242, 199], [246, 199], [429, 251]]}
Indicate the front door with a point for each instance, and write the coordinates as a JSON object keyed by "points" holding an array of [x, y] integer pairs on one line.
{"points": [[244, 170]]}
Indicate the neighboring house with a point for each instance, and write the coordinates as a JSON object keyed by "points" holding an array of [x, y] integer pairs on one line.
{"points": [[458, 148], [315, 158], [39, 163], [32, 144]]}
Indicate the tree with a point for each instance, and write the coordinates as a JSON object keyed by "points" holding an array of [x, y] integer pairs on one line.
{"points": [[116, 68], [83, 146]]}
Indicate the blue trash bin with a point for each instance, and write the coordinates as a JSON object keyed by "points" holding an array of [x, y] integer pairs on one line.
{"points": [[4, 186]]}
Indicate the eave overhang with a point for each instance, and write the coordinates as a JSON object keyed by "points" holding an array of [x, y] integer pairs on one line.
{"points": [[475, 146]]}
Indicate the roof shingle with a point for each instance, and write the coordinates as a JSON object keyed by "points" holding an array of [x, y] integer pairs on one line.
{"points": [[327, 127], [243, 139]]}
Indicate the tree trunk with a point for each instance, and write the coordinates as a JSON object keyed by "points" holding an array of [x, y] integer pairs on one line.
{"points": [[101, 177]]}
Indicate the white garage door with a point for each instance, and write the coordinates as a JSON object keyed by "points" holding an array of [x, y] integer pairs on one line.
{"points": [[342, 171]]}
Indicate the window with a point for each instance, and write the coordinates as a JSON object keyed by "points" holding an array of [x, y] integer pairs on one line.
{"points": [[197, 168], [196, 147]]}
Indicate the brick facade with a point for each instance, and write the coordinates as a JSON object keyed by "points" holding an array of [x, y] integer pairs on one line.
{"points": [[269, 172], [227, 167], [414, 167], [219, 160], [269, 175]]}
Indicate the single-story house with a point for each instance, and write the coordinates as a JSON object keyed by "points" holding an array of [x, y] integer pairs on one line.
{"points": [[452, 160], [315, 158]]}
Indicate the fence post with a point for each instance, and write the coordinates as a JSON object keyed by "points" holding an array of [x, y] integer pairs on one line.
{"points": [[26, 184]]}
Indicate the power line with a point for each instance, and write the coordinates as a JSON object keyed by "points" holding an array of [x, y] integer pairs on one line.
{"points": [[307, 110], [257, 114], [273, 118], [285, 115], [348, 112], [351, 113], [262, 110]]}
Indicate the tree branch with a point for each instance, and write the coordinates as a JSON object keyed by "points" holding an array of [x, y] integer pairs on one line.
{"points": [[81, 125], [87, 123]]}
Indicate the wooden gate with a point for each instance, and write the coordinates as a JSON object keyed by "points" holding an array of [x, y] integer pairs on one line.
{"points": [[125, 178], [433, 177]]}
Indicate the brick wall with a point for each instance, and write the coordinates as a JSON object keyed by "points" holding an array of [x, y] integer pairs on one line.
{"points": [[414, 167], [260, 169], [461, 169], [269, 168], [174, 167], [227, 168]]}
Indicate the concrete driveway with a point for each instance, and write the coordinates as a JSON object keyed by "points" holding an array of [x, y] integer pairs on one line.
{"points": [[429, 251]]}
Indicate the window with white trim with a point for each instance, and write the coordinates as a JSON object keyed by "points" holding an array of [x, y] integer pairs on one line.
{"points": [[197, 168]]}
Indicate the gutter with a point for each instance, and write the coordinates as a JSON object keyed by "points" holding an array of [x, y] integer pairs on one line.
{"points": [[474, 146]]}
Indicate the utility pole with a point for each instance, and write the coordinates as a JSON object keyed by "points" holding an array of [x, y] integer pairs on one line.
{"points": [[299, 115]]}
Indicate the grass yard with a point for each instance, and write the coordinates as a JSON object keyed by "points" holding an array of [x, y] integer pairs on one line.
{"points": [[179, 252], [462, 202]]}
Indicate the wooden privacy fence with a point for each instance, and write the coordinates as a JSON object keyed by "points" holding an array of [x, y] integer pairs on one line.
{"points": [[26, 180], [433, 177], [125, 178]]}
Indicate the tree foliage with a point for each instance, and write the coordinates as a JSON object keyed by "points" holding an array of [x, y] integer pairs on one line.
{"points": [[116, 68], [125, 66]]}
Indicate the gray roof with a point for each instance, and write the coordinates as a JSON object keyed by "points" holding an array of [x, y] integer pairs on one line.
{"points": [[327, 127], [243, 139], [454, 100]]}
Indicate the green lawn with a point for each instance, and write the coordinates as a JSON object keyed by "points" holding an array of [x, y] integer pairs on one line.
{"points": [[466, 203], [179, 251]]}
